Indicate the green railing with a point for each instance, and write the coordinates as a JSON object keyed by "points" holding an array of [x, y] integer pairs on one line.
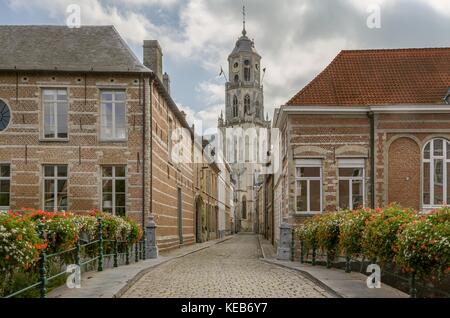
{"points": [[128, 252], [311, 256]]}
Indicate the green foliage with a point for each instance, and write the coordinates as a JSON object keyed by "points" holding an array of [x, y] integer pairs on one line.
{"points": [[328, 232], [424, 245], [307, 232], [419, 244], [351, 231], [19, 242], [380, 235]]}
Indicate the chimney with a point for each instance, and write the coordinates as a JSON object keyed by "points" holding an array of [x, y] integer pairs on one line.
{"points": [[153, 57], [166, 82]]}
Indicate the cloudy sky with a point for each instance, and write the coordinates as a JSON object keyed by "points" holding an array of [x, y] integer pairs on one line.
{"points": [[296, 38]]}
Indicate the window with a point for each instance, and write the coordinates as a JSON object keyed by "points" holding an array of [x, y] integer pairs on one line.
{"points": [[247, 71], [55, 113], [235, 107], [5, 186], [236, 78], [114, 190], [247, 104], [309, 185], [5, 115], [113, 115], [257, 110], [436, 173], [351, 184], [244, 208], [55, 188]]}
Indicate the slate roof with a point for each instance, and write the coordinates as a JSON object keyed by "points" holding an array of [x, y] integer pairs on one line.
{"points": [[380, 77], [88, 48], [244, 44]]}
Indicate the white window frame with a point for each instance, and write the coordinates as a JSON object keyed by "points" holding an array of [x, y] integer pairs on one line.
{"points": [[353, 164], [113, 119], [55, 179], [309, 163], [431, 162], [113, 178], [55, 102], [6, 208]]}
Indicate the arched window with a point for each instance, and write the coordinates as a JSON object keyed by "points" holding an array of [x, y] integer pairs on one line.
{"points": [[436, 173], [235, 107], [247, 105], [244, 208], [236, 78], [5, 115], [247, 71]]}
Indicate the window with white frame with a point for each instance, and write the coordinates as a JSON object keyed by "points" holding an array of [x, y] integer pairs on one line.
{"points": [[114, 190], [55, 188], [5, 186], [55, 122], [113, 116], [308, 181], [351, 184], [436, 173]]}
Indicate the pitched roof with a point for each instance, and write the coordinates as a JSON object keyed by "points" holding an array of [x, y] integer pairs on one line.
{"points": [[88, 48], [380, 77]]}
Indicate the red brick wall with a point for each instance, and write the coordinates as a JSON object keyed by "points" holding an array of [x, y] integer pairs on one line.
{"points": [[404, 173], [84, 153]]}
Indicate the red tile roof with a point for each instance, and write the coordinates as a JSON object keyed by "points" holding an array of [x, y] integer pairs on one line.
{"points": [[380, 77]]}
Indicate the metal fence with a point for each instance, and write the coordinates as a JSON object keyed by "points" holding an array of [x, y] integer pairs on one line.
{"points": [[409, 283], [129, 251]]}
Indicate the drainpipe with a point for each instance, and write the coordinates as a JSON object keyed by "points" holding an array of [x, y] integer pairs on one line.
{"points": [[142, 86], [151, 145], [372, 158]]}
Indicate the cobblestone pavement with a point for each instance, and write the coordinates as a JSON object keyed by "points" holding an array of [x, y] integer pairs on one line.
{"points": [[228, 270]]}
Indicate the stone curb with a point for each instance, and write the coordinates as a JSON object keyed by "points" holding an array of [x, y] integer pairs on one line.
{"points": [[139, 275], [303, 273]]}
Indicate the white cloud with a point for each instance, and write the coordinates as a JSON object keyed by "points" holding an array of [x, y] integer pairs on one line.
{"points": [[296, 39]]}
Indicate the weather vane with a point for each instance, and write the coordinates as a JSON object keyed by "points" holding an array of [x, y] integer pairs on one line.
{"points": [[244, 32]]}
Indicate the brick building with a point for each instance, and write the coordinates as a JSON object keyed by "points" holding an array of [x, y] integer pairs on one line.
{"points": [[76, 111], [373, 128], [172, 175]]}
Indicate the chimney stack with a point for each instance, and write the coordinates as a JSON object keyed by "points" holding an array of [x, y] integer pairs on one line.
{"points": [[166, 82], [153, 57]]}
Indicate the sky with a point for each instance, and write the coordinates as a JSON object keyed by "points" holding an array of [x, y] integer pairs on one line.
{"points": [[297, 39]]}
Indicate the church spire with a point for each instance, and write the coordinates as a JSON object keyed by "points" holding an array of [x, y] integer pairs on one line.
{"points": [[244, 32]]}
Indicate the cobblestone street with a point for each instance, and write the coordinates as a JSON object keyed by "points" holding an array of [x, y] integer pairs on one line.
{"points": [[230, 270]]}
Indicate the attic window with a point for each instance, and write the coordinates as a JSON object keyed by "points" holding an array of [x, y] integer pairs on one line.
{"points": [[53, 78], [24, 79], [112, 80]]}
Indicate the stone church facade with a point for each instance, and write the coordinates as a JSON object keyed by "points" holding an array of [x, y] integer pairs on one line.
{"points": [[242, 126]]}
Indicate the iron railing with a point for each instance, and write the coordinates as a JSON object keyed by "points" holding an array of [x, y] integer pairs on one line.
{"points": [[128, 252], [311, 256]]}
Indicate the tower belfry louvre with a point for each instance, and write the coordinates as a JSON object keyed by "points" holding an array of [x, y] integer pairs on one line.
{"points": [[244, 115]]}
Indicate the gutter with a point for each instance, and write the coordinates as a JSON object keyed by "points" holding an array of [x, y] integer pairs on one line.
{"points": [[371, 116]]}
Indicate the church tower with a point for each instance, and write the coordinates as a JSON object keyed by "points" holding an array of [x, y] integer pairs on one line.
{"points": [[244, 111]]}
